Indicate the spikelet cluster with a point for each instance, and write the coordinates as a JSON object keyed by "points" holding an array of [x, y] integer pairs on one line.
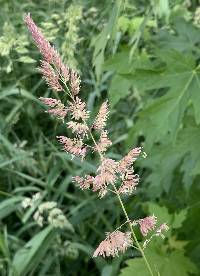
{"points": [[147, 224], [57, 108], [114, 243]]}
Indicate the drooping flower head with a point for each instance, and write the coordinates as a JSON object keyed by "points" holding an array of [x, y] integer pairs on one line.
{"points": [[147, 224], [73, 146], [114, 243], [83, 183]]}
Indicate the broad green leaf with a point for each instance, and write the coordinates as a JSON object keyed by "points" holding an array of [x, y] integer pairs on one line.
{"points": [[28, 257], [166, 158], [135, 267], [161, 262], [165, 114], [179, 218], [184, 38], [119, 89]]}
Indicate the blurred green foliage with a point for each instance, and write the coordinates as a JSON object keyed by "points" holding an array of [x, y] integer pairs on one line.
{"points": [[142, 55]]}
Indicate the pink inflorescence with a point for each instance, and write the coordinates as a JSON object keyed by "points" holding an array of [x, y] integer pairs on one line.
{"points": [[100, 121], [52, 67], [147, 224], [129, 182], [83, 183], [78, 128], [58, 109], [127, 161], [73, 146], [61, 78], [50, 102], [47, 51], [78, 110], [50, 76], [104, 142], [113, 244]]}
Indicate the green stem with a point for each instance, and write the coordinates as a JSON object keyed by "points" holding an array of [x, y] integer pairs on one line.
{"points": [[133, 233]]}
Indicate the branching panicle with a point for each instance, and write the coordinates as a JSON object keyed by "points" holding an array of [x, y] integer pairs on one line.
{"points": [[117, 175]]}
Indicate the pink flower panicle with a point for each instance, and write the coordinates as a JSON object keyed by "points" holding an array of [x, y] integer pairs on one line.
{"points": [[50, 76], [59, 112], [47, 51], [55, 72], [78, 110], [58, 109], [75, 82], [147, 224], [51, 56], [100, 121], [129, 183], [50, 101], [78, 128], [73, 146], [83, 183], [106, 175], [113, 244], [104, 142], [127, 161], [61, 68]]}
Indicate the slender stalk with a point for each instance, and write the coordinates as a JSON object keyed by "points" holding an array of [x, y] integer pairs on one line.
{"points": [[133, 233]]}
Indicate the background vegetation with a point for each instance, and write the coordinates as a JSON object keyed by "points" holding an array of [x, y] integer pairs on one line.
{"points": [[142, 55]]}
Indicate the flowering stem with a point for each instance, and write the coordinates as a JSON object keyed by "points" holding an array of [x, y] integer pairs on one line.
{"points": [[133, 233], [139, 248]]}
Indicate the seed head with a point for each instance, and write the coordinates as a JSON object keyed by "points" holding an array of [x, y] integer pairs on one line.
{"points": [[73, 146], [50, 76], [129, 183], [78, 128], [127, 161], [50, 102], [113, 244], [147, 224], [78, 110], [104, 142], [100, 121]]}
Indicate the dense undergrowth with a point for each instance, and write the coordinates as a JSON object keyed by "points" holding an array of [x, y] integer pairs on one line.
{"points": [[142, 55]]}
